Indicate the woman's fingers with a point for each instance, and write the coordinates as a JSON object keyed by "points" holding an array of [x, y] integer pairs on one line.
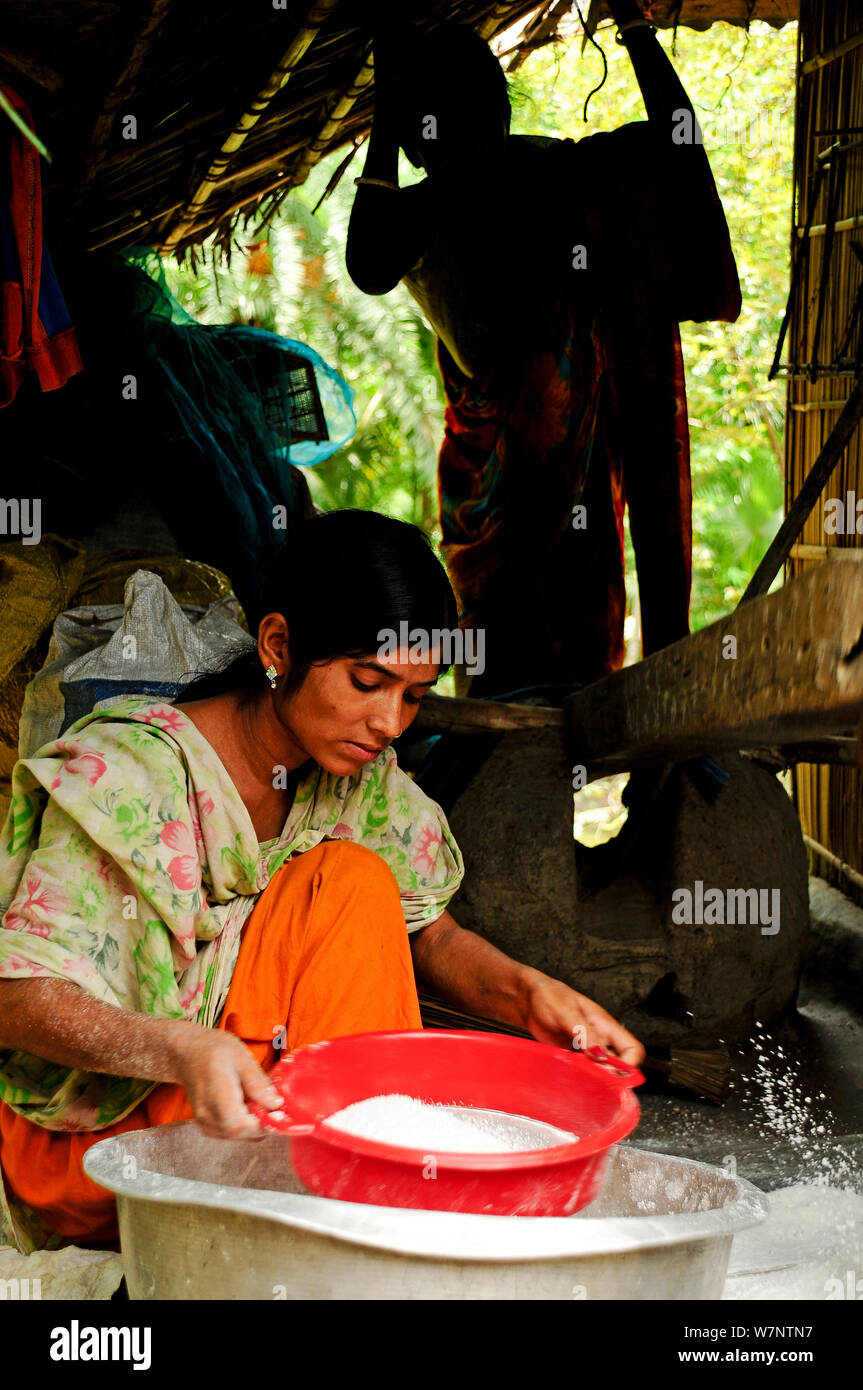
{"points": [[617, 1039], [561, 1015], [221, 1074], [257, 1085], [223, 1114]]}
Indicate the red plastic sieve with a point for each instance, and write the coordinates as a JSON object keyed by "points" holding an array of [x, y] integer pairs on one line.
{"points": [[590, 1096]]}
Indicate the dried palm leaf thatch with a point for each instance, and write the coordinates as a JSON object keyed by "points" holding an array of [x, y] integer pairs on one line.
{"points": [[170, 120]]}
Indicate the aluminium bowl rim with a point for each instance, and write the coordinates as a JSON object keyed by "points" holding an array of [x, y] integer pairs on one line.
{"points": [[443, 1235]]}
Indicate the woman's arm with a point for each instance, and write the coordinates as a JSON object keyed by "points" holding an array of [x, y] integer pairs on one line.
{"points": [[477, 977], [384, 233], [59, 1022], [661, 88]]}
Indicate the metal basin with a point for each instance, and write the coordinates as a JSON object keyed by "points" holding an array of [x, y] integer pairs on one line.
{"points": [[206, 1219]]}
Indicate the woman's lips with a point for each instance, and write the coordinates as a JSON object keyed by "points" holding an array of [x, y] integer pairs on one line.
{"points": [[362, 751]]}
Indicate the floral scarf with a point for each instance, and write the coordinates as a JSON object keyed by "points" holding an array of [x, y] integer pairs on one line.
{"points": [[129, 863]]}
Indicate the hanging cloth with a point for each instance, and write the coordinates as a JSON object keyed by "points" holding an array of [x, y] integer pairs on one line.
{"points": [[36, 332]]}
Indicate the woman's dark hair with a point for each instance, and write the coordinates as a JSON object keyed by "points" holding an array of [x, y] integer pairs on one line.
{"points": [[348, 575], [452, 63]]}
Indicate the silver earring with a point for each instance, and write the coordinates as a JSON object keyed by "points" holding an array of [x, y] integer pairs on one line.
{"points": [[271, 673]]}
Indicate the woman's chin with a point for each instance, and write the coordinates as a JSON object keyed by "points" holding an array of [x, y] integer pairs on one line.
{"points": [[343, 762]]}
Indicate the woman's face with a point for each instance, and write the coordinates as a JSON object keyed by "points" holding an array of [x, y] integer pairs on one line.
{"points": [[348, 710], [462, 142]]}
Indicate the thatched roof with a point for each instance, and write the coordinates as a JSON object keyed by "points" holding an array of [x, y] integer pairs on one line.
{"points": [[234, 100], [700, 14]]}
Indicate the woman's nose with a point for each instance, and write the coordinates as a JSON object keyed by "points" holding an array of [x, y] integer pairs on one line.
{"points": [[388, 717]]}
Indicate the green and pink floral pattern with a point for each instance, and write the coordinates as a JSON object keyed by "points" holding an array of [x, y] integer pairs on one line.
{"points": [[129, 863]]}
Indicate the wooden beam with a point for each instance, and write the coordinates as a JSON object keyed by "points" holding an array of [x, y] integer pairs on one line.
{"points": [[793, 673], [841, 752], [439, 714], [287, 65]]}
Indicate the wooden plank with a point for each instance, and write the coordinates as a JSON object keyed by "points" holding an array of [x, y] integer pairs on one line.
{"points": [[440, 714], [797, 676]]}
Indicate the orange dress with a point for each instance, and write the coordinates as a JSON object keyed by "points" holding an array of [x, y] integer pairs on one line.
{"points": [[324, 953]]}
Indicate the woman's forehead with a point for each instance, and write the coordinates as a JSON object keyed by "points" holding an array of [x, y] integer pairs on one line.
{"points": [[406, 666]]}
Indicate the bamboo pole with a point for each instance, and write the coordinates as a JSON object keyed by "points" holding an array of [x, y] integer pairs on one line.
{"points": [[802, 551], [817, 478], [344, 105], [833, 859], [292, 178], [302, 40], [500, 13], [210, 223], [844, 224], [821, 60]]}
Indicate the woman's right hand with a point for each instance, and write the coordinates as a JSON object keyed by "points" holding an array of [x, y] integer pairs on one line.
{"points": [[219, 1074]]}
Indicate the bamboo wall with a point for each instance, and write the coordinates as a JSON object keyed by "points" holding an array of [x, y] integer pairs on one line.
{"points": [[829, 95]]}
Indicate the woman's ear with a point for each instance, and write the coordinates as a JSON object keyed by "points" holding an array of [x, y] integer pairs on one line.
{"points": [[273, 640]]}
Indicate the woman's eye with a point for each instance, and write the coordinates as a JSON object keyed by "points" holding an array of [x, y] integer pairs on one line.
{"points": [[359, 685], [413, 699]]}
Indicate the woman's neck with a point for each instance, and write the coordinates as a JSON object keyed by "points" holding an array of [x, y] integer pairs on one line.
{"points": [[266, 743], [259, 754]]}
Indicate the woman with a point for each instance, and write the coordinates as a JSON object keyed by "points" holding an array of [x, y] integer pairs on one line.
{"points": [[189, 888], [554, 275]]}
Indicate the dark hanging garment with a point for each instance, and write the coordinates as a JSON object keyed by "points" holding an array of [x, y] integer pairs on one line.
{"points": [[596, 417], [36, 333]]}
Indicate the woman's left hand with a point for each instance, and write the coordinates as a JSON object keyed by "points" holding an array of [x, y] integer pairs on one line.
{"points": [[555, 1014]]}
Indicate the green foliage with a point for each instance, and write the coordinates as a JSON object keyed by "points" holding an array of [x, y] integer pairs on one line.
{"points": [[743, 90]]}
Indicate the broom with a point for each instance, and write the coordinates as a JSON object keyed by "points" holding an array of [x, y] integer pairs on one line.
{"points": [[705, 1075]]}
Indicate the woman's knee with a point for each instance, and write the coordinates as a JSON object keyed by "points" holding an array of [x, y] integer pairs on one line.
{"points": [[360, 864]]}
